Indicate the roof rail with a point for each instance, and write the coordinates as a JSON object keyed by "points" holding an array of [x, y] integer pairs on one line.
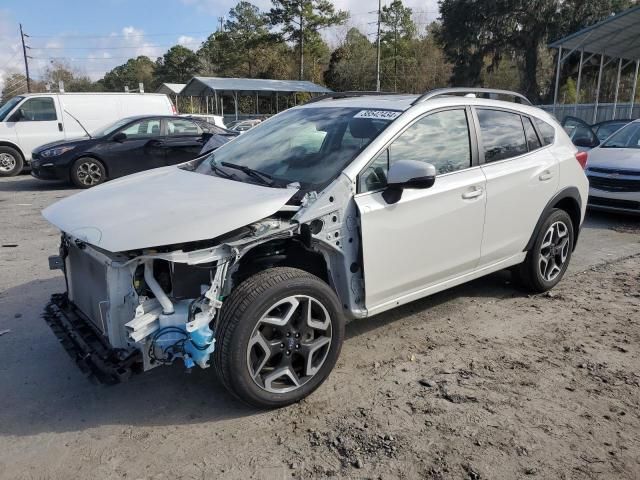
{"points": [[351, 94], [517, 97]]}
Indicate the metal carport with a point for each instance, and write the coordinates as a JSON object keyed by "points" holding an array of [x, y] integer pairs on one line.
{"points": [[171, 89], [218, 88], [615, 38]]}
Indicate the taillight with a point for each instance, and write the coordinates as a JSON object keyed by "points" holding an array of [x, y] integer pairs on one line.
{"points": [[582, 157]]}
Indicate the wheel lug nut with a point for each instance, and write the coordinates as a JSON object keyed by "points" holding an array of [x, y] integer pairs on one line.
{"points": [[288, 352], [282, 345], [297, 345], [288, 334], [297, 335]]}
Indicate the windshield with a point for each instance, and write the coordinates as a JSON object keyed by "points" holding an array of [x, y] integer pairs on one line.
{"points": [[109, 129], [7, 107], [626, 137], [310, 146]]}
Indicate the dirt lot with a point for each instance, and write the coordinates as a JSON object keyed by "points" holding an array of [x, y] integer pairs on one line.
{"points": [[480, 382]]}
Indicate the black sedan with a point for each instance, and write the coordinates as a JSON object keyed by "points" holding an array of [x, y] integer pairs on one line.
{"points": [[127, 146]]}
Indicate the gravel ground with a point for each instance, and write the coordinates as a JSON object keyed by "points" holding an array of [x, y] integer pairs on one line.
{"points": [[482, 381]]}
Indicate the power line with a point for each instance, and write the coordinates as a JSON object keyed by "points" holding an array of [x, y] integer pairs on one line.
{"points": [[195, 42], [124, 35]]}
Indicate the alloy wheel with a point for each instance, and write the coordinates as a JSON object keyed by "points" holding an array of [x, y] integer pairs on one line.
{"points": [[554, 251], [7, 162], [89, 173], [289, 344]]}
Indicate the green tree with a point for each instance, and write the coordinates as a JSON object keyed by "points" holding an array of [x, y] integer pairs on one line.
{"points": [[246, 32], [476, 32], [59, 71], [397, 31], [178, 65], [300, 20], [352, 64], [130, 74], [14, 84]]}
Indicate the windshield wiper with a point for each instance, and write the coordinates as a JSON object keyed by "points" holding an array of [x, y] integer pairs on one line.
{"points": [[264, 178]]}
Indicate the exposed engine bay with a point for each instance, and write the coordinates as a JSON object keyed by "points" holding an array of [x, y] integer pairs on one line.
{"points": [[135, 310]]}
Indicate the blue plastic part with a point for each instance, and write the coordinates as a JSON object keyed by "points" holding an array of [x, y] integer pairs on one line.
{"points": [[203, 337], [188, 362]]}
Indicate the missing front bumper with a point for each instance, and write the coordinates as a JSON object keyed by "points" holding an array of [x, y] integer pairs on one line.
{"points": [[90, 350]]}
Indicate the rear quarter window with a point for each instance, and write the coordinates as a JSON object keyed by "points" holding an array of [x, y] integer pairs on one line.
{"points": [[547, 131]]}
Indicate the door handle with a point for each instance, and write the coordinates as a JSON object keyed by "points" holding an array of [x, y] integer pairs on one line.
{"points": [[60, 126], [546, 175], [475, 193]]}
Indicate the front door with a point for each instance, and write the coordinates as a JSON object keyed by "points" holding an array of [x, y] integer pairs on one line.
{"points": [[37, 122], [430, 235], [142, 149]]}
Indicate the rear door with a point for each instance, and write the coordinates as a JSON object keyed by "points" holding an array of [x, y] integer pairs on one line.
{"points": [[430, 235], [580, 133], [142, 149], [37, 121], [183, 141], [522, 176]]}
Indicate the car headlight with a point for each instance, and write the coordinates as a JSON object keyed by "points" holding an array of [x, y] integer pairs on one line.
{"points": [[55, 152]]}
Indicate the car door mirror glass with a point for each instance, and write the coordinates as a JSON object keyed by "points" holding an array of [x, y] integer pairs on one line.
{"points": [[120, 137], [411, 174]]}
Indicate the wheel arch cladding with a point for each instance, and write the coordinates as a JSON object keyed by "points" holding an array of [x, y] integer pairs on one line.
{"points": [[287, 252], [568, 200]]}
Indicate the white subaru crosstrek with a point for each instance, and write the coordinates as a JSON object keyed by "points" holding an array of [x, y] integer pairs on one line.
{"points": [[252, 258]]}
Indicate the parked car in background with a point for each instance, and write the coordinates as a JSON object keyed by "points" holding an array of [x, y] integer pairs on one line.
{"points": [[127, 146], [217, 120], [219, 137], [586, 136], [251, 259], [28, 121], [243, 125], [613, 170]]}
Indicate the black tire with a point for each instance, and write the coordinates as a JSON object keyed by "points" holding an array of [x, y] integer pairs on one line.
{"points": [[530, 273], [11, 162], [87, 172], [241, 314]]}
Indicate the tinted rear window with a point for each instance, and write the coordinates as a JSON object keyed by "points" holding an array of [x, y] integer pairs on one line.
{"points": [[502, 135], [547, 131]]}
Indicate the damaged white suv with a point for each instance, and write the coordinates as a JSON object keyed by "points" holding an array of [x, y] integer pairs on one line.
{"points": [[252, 258]]}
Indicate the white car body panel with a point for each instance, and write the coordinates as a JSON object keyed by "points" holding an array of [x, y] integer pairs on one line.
{"points": [[518, 190], [163, 206], [622, 164], [404, 252]]}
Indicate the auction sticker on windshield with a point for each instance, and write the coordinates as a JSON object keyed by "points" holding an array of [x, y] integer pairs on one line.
{"points": [[378, 114]]}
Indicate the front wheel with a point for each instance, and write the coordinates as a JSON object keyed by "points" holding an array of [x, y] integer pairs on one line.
{"points": [[88, 172], [11, 162], [279, 336], [548, 260]]}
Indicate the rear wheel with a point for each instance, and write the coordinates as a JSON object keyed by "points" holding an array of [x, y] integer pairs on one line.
{"points": [[279, 336], [548, 260], [11, 162], [87, 172]]}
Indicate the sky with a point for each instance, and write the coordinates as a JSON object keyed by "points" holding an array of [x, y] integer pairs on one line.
{"points": [[94, 36]]}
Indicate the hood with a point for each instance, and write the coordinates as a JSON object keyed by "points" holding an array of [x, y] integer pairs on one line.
{"points": [[58, 143], [615, 158], [163, 206]]}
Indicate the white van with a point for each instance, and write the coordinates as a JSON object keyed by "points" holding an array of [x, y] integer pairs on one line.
{"points": [[28, 121]]}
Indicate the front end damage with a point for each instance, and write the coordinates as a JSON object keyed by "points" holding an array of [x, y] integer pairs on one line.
{"points": [[125, 313]]}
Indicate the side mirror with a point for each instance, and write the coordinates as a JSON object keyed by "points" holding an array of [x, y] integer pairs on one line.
{"points": [[119, 137], [408, 174]]}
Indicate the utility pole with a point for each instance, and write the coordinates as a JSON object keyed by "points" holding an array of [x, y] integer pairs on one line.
{"points": [[378, 48], [26, 62], [221, 20], [301, 40]]}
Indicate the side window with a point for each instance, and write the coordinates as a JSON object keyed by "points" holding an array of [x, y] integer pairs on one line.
{"points": [[502, 135], [38, 110], [532, 137], [441, 139], [547, 131], [180, 127], [144, 128]]}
